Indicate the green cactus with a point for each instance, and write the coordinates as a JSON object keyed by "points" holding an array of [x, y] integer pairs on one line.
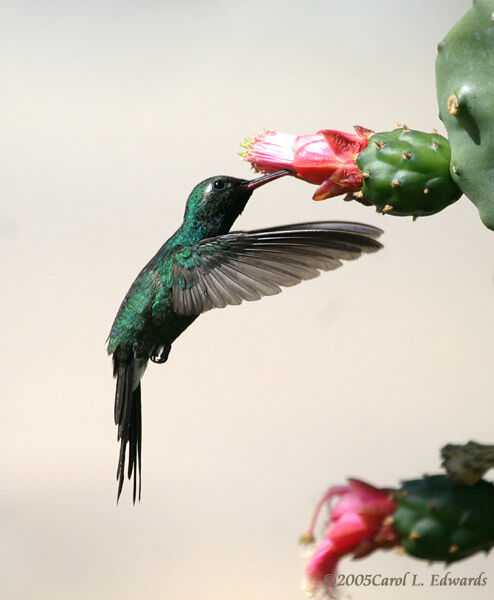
{"points": [[440, 520], [406, 172], [465, 92]]}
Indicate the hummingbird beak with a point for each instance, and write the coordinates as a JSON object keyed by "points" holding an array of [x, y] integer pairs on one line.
{"points": [[255, 183]]}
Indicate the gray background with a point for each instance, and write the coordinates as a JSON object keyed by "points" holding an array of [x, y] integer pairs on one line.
{"points": [[111, 112]]}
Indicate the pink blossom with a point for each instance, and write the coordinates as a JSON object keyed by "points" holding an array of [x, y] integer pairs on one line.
{"points": [[358, 524], [326, 158]]}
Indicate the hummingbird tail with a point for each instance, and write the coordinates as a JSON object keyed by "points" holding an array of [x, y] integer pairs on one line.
{"points": [[128, 419]]}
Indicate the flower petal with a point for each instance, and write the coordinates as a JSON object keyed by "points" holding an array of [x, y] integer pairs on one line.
{"points": [[269, 151], [322, 563], [349, 531], [344, 145]]}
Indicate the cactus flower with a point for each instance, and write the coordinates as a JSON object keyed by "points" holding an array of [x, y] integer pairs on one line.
{"points": [[358, 524], [326, 158]]}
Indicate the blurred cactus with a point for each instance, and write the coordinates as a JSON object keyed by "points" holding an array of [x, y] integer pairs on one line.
{"points": [[438, 519], [432, 518], [467, 463]]}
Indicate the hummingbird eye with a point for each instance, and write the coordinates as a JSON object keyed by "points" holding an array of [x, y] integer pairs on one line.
{"points": [[219, 184]]}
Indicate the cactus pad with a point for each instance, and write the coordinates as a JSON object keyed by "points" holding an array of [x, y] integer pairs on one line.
{"points": [[439, 520], [406, 172], [465, 89]]}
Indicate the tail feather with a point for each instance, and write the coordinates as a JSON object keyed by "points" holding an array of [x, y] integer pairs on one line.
{"points": [[128, 420], [135, 441]]}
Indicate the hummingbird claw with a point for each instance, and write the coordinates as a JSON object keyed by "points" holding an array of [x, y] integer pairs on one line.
{"points": [[159, 355]]}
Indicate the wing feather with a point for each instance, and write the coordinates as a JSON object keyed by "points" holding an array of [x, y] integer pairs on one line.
{"points": [[248, 265]]}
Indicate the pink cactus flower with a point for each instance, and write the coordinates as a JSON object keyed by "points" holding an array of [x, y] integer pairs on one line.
{"points": [[326, 159], [358, 524]]}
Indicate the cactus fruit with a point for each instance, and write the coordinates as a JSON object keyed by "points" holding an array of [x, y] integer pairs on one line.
{"points": [[465, 91], [406, 172], [440, 520]]}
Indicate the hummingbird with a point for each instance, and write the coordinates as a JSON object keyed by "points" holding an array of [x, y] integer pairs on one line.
{"points": [[203, 266]]}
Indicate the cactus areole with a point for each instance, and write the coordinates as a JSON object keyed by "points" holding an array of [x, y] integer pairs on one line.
{"points": [[465, 92], [440, 520]]}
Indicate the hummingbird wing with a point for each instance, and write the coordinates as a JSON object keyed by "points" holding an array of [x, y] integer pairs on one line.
{"points": [[247, 265]]}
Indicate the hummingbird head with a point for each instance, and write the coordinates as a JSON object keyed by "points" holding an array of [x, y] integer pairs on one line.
{"points": [[215, 203]]}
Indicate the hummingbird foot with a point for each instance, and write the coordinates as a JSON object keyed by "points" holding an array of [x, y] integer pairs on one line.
{"points": [[159, 354]]}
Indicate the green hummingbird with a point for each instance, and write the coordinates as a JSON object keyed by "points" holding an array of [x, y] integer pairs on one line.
{"points": [[202, 266]]}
